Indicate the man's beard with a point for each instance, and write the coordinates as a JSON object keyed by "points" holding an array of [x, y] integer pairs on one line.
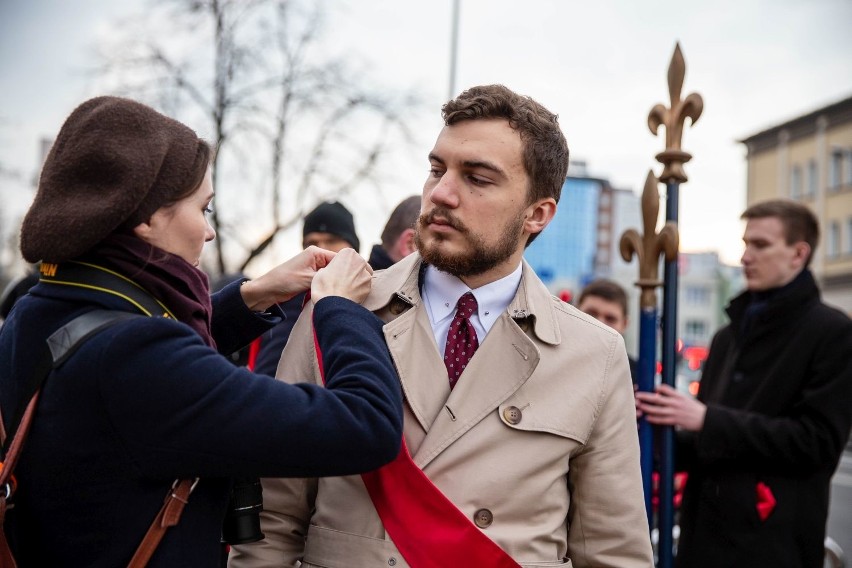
{"points": [[479, 257]]}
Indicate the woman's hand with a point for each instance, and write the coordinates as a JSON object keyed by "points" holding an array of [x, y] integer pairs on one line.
{"points": [[670, 407], [347, 275], [286, 280]]}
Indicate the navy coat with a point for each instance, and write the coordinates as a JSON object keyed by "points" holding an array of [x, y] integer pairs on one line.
{"points": [[146, 401], [779, 411]]}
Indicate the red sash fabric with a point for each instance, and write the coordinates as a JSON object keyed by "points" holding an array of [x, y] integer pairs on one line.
{"points": [[426, 527]]}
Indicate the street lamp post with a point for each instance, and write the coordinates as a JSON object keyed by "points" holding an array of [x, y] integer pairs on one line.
{"points": [[454, 46]]}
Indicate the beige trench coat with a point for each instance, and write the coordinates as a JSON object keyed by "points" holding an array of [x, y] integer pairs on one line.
{"points": [[561, 486]]}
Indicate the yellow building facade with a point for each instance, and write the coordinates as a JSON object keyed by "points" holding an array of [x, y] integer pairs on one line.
{"points": [[809, 159]]}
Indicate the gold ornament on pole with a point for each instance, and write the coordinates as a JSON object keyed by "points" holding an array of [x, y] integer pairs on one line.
{"points": [[673, 119], [648, 246]]}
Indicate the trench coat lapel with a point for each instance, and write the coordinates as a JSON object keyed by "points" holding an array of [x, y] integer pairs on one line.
{"points": [[503, 362], [420, 366]]}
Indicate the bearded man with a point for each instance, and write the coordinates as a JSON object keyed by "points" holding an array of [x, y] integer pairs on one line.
{"points": [[520, 436]]}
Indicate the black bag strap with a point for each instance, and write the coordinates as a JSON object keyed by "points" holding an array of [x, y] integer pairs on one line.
{"points": [[62, 343], [59, 346], [101, 279]]}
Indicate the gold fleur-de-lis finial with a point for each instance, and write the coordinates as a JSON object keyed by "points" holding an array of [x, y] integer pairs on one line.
{"points": [[648, 246], [673, 119]]}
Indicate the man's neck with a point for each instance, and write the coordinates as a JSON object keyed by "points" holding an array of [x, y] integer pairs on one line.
{"points": [[495, 273], [765, 295]]}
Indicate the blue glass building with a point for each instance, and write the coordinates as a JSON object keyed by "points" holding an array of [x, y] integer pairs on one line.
{"points": [[565, 250]]}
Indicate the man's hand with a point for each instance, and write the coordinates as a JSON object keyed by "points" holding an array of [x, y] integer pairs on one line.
{"points": [[670, 407], [347, 275], [285, 280]]}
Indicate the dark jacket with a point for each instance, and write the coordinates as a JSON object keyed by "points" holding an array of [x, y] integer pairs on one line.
{"points": [[147, 401], [273, 340], [778, 390], [379, 258]]}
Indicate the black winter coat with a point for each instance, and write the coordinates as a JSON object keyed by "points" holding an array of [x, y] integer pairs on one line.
{"points": [[779, 411], [146, 401]]}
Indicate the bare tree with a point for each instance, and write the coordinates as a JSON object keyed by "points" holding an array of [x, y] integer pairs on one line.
{"points": [[292, 123]]}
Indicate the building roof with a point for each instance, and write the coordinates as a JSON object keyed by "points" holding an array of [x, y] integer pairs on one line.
{"points": [[805, 125]]}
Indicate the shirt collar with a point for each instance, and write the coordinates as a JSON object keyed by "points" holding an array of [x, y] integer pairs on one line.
{"points": [[444, 290]]}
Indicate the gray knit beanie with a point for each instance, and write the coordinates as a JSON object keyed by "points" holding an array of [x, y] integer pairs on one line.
{"points": [[113, 164]]}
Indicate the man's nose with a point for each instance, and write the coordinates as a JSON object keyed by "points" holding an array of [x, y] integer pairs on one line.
{"points": [[446, 191]]}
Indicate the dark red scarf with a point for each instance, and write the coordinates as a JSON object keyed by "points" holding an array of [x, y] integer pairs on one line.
{"points": [[181, 287]]}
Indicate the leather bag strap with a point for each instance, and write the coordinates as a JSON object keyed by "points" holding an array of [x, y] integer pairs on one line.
{"points": [[169, 515], [61, 345], [426, 527]]}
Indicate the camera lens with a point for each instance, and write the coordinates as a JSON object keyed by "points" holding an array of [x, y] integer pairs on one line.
{"points": [[242, 520]]}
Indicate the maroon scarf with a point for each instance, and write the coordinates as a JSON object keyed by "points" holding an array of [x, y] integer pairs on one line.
{"points": [[181, 287]]}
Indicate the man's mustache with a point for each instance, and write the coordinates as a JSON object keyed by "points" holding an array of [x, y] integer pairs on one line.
{"points": [[445, 216]]}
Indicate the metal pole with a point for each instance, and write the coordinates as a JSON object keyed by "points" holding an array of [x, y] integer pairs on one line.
{"points": [[648, 247], [667, 457], [645, 382], [454, 44], [672, 158]]}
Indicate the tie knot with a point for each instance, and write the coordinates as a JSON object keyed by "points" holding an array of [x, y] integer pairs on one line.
{"points": [[466, 305]]}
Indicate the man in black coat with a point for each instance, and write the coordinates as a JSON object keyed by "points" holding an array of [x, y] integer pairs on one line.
{"points": [[773, 413]]}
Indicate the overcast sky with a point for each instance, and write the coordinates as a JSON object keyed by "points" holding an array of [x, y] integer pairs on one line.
{"points": [[600, 65]]}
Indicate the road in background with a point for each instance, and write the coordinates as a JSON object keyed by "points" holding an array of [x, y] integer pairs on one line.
{"points": [[840, 511]]}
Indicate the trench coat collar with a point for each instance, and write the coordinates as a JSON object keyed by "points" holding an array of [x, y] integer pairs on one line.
{"points": [[532, 303]]}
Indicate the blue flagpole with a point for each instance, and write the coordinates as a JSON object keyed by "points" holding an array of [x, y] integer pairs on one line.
{"points": [[645, 382], [669, 340]]}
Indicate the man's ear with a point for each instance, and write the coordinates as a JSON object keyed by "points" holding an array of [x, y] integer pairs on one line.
{"points": [[802, 253], [404, 245], [539, 214]]}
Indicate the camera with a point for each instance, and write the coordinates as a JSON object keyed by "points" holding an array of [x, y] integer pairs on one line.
{"points": [[242, 519]]}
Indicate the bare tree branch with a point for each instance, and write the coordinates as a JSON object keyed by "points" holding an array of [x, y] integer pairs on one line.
{"points": [[289, 123]]}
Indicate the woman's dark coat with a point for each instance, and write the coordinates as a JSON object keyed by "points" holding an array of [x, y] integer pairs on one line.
{"points": [[779, 411], [146, 401]]}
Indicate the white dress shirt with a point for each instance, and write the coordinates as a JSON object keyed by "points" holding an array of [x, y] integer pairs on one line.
{"points": [[441, 293]]}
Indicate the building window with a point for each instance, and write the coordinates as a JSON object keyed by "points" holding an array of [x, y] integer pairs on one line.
{"points": [[833, 240], [834, 169], [812, 178], [696, 329], [697, 295], [848, 178], [849, 236], [796, 182]]}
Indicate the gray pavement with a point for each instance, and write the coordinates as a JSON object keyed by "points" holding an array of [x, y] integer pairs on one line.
{"points": [[839, 525]]}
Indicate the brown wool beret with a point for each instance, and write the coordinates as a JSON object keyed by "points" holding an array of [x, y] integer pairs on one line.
{"points": [[113, 164]]}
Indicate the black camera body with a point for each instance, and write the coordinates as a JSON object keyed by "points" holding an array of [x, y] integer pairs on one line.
{"points": [[242, 519]]}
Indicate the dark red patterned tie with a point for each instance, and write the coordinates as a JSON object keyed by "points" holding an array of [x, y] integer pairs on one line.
{"points": [[461, 339]]}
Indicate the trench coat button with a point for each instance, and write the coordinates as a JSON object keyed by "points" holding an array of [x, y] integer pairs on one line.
{"points": [[391, 561], [483, 518], [512, 414]]}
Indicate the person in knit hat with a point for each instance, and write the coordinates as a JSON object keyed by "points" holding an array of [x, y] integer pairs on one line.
{"points": [[330, 226], [118, 224]]}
